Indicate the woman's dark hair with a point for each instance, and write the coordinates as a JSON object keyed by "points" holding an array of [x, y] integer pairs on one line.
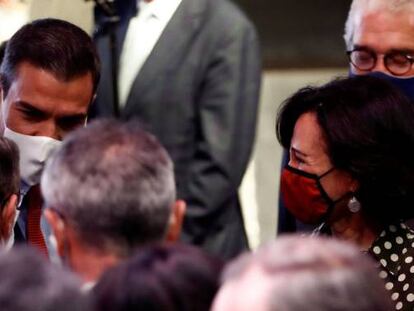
{"points": [[368, 126], [160, 278]]}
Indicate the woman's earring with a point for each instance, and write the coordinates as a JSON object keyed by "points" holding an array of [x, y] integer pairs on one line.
{"points": [[354, 205]]}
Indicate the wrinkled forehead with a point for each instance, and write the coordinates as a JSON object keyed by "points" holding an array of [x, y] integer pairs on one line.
{"points": [[382, 29]]}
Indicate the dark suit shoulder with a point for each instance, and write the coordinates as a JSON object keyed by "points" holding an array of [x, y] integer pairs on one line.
{"points": [[228, 14], [221, 13]]}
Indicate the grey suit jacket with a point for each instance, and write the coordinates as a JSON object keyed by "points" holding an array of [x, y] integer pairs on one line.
{"points": [[198, 93]]}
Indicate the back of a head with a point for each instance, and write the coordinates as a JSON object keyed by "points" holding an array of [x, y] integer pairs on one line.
{"points": [[114, 183], [360, 8], [29, 283], [160, 278], [305, 273], [56, 46]]}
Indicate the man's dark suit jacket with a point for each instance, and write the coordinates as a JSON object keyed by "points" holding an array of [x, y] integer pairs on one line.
{"points": [[198, 93]]}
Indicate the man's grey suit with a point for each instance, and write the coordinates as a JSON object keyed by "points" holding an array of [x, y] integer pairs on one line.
{"points": [[198, 93]]}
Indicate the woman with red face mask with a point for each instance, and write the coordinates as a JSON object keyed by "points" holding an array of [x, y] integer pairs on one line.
{"points": [[351, 170]]}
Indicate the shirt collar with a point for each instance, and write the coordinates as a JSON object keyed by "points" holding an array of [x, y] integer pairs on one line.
{"points": [[160, 9]]}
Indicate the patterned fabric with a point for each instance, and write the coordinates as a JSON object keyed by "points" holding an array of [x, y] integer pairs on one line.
{"points": [[394, 251], [34, 213]]}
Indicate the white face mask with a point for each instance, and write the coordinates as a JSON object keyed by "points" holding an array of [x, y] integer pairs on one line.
{"points": [[34, 151]]}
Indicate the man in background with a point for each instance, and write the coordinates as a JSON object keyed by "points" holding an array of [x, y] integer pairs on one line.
{"points": [[109, 190], [49, 75], [190, 70]]}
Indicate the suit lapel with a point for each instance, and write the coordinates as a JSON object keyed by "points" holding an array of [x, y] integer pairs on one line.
{"points": [[173, 42]]}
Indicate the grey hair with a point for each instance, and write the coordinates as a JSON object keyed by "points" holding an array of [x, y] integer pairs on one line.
{"points": [[314, 274], [357, 6], [114, 183], [30, 283]]}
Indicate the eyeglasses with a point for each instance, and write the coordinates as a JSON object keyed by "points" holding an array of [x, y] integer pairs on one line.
{"points": [[398, 63]]}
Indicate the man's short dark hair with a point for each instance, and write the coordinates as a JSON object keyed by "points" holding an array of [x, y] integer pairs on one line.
{"points": [[114, 183], [9, 169], [56, 46], [170, 277], [367, 125], [30, 283]]}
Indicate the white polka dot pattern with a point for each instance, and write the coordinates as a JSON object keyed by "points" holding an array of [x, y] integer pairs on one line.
{"points": [[394, 251]]}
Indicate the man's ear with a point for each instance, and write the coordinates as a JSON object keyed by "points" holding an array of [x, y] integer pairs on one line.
{"points": [[7, 216], [58, 229], [176, 221]]}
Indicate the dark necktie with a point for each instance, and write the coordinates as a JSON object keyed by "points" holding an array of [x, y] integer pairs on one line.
{"points": [[34, 213]]}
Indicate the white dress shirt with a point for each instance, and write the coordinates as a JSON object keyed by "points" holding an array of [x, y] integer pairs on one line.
{"points": [[143, 32]]}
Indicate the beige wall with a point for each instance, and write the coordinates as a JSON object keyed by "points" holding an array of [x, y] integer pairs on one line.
{"points": [[78, 12]]}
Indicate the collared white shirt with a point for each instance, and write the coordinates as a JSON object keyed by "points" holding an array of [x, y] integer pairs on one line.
{"points": [[143, 32]]}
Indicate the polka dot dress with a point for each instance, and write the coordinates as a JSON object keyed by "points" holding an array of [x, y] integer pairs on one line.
{"points": [[394, 250]]}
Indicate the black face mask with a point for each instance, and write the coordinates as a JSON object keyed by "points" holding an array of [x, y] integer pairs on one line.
{"points": [[405, 85]]}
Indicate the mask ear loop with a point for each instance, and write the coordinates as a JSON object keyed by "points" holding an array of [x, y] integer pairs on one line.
{"points": [[331, 203]]}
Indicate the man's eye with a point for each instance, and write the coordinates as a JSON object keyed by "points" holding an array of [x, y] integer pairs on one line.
{"points": [[68, 124]]}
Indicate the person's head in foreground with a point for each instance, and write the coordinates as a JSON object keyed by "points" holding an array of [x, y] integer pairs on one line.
{"points": [[297, 273], [108, 190], [351, 167], [30, 283], [160, 278], [48, 77], [9, 189]]}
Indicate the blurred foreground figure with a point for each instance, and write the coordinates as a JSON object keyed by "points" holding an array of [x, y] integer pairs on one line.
{"points": [[190, 70], [9, 190], [108, 190], [29, 283], [303, 273], [160, 278]]}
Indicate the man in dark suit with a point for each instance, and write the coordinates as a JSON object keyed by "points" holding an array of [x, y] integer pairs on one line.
{"points": [[196, 88], [49, 76]]}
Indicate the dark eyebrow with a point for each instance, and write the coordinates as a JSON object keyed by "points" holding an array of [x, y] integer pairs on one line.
{"points": [[403, 51], [75, 116], [366, 48], [299, 152], [28, 107], [362, 47]]}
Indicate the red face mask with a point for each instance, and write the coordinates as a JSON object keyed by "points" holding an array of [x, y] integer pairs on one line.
{"points": [[304, 195]]}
